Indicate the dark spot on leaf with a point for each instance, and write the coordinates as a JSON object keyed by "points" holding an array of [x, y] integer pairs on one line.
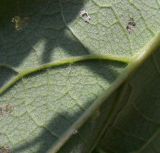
{"points": [[84, 15], [131, 25]]}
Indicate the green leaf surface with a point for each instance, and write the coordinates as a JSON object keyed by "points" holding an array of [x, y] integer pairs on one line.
{"points": [[136, 127], [55, 71]]}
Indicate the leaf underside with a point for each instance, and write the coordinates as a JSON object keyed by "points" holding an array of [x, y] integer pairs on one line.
{"points": [[49, 78], [136, 127]]}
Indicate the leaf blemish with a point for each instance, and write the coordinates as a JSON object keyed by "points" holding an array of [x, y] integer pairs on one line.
{"points": [[5, 149], [84, 15], [131, 25], [20, 23], [75, 132], [6, 109]]}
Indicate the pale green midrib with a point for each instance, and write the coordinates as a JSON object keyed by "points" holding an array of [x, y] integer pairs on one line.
{"points": [[152, 46], [68, 61], [138, 60]]}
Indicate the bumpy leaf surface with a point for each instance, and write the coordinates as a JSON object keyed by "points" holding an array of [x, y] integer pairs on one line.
{"points": [[57, 65]]}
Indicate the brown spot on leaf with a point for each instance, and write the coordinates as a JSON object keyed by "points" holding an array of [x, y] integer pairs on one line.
{"points": [[5, 149], [6, 109], [9, 108], [20, 22]]}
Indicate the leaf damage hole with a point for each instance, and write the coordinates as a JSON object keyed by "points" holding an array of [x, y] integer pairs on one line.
{"points": [[131, 25]]}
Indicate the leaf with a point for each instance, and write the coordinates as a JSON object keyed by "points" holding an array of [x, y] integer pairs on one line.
{"points": [[136, 127], [57, 68]]}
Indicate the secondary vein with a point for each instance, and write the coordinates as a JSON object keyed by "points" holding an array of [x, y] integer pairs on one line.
{"points": [[67, 61]]}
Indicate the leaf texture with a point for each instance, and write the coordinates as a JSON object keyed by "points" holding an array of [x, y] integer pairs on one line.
{"points": [[55, 68]]}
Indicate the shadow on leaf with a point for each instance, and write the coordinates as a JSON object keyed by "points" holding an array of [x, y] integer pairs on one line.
{"points": [[46, 38]]}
